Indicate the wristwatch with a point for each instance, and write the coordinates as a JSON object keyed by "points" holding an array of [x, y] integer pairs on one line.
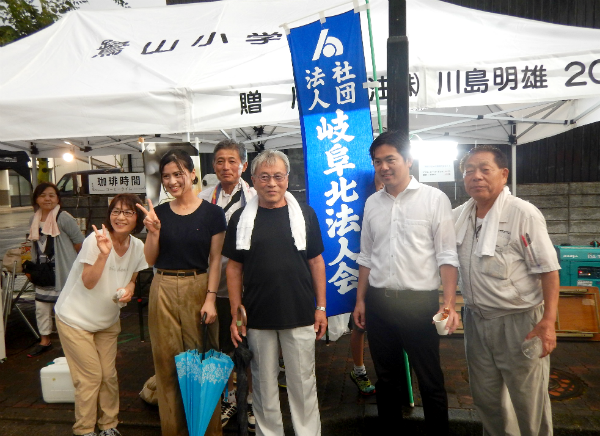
{"points": [[321, 308]]}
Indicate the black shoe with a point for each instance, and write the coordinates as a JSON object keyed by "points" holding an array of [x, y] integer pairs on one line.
{"points": [[39, 349], [281, 381]]}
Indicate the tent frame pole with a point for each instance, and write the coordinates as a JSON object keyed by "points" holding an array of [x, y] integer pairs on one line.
{"points": [[513, 169], [34, 169]]}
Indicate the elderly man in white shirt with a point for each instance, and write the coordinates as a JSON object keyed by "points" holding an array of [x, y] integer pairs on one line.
{"points": [[408, 248]]}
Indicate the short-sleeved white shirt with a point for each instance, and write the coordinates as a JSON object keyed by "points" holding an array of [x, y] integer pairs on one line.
{"points": [[405, 239], [94, 309]]}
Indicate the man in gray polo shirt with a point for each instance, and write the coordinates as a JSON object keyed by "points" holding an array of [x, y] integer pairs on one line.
{"points": [[510, 285]]}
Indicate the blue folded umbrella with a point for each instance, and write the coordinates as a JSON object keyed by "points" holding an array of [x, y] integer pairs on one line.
{"points": [[202, 378]]}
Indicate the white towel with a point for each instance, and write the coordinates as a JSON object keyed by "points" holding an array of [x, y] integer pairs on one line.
{"points": [[246, 223], [488, 235]]}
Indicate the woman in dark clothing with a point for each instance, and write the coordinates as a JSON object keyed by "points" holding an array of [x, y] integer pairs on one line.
{"points": [[182, 236]]}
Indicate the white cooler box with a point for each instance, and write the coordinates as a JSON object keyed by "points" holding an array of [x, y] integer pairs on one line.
{"points": [[57, 386]]}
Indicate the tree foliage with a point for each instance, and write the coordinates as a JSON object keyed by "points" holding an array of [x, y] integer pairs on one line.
{"points": [[22, 17]]}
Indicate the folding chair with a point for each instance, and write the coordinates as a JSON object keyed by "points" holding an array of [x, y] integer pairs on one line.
{"points": [[11, 279]]}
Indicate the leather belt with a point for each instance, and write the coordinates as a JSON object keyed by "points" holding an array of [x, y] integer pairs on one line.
{"points": [[180, 273]]}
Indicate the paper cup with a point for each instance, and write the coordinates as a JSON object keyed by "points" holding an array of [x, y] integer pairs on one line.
{"points": [[440, 324]]}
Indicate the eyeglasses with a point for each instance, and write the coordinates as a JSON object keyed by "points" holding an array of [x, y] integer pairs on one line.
{"points": [[127, 213], [265, 178]]}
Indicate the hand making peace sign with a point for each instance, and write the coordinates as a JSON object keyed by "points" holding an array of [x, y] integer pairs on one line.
{"points": [[151, 221], [103, 240]]}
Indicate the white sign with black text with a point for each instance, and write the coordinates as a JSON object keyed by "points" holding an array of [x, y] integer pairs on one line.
{"points": [[117, 183]]}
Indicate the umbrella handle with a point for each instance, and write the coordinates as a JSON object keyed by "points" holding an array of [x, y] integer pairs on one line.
{"points": [[205, 335], [242, 319]]}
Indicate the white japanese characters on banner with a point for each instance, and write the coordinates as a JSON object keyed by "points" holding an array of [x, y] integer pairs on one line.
{"points": [[117, 183], [329, 72]]}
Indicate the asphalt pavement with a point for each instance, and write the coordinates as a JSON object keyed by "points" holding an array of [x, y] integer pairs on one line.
{"points": [[575, 383], [13, 227]]}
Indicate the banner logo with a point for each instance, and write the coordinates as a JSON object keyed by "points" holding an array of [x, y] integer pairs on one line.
{"points": [[329, 46]]}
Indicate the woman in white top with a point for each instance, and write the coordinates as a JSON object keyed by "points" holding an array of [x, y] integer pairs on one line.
{"points": [[87, 314]]}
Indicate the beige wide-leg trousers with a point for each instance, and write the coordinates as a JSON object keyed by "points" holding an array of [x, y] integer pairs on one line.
{"points": [[175, 326], [91, 357]]}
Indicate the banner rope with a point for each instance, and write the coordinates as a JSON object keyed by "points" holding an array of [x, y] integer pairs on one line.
{"points": [[376, 88]]}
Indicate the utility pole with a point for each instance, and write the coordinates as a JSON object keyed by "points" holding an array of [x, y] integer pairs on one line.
{"points": [[397, 63]]}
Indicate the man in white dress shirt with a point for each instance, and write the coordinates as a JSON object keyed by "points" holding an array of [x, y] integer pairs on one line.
{"points": [[407, 249]]}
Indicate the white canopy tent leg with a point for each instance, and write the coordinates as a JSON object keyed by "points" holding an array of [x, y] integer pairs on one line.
{"points": [[34, 172], [513, 170]]}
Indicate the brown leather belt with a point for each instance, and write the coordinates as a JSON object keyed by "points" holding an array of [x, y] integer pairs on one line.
{"points": [[180, 273]]}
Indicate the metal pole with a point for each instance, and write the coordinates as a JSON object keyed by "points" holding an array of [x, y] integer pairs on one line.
{"points": [[376, 89], [34, 172], [398, 91], [398, 77], [513, 169]]}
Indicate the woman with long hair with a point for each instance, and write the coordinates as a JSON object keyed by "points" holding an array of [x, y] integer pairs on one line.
{"points": [[56, 238], [185, 238], [101, 281]]}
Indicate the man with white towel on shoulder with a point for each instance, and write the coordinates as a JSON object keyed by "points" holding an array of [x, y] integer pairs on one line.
{"points": [[510, 285], [274, 248]]}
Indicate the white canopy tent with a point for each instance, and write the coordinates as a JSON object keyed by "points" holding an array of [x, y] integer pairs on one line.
{"points": [[95, 81]]}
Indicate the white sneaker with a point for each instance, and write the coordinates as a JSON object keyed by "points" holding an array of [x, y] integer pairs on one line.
{"points": [[251, 418], [227, 411], [110, 432]]}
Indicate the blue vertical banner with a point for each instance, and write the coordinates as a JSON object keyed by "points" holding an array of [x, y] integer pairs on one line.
{"points": [[335, 117]]}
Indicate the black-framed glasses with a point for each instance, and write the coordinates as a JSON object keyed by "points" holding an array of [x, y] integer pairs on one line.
{"points": [[265, 178], [127, 213]]}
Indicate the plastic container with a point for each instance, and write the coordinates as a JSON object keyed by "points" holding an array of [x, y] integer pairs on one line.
{"points": [[440, 324], [532, 348], [57, 386]]}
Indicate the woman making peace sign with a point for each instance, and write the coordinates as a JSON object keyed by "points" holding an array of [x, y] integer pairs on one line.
{"points": [[182, 235], [87, 314]]}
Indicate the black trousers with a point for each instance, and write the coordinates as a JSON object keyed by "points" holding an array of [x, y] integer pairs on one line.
{"points": [[398, 320]]}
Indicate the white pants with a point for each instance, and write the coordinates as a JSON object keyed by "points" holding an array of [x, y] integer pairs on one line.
{"points": [[43, 316], [298, 347]]}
